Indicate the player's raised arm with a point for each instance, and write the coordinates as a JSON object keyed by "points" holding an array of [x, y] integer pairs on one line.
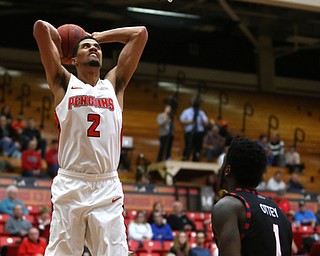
{"points": [[49, 44], [135, 39]]}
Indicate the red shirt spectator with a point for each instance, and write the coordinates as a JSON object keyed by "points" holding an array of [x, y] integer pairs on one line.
{"points": [[31, 161], [33, 244]]}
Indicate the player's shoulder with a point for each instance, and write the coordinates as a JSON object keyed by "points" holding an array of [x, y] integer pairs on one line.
{"points": [[227, 205]]}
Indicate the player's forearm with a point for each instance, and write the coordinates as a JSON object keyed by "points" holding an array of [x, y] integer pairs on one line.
{"points": [[120, 35]]}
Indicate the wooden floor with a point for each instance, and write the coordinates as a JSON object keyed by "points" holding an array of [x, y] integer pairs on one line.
{"points": [[144, 100]]}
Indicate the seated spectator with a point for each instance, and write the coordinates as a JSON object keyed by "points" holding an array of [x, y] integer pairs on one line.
{"points": [[181, 245], [140, 229], [32, 245], [44, 221], [7, 204], [143, 184], [16, 225], [6, 111], [294, 184], [178, 220], [31, 132], [292, 158], [304, 216], [262, 185], [31, 161], [52, 159], [283, 203], [18, 125], [200, 249], [317, 213], [158, 207], [277, 147], [212, 181], [276, 183], [161, 231], [213, 143], [8, 146]]}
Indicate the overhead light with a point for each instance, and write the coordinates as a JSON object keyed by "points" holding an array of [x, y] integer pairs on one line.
{"points": [[303, 40], [162, 13]]}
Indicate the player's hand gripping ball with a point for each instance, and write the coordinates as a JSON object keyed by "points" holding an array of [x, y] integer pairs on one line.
{"points": [[70, 35]]}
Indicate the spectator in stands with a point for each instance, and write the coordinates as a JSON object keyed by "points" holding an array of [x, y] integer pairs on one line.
{"points": [[31, 161], [8, 203], [6, 111], [140, 229], [16, 225], [195, 122], [52, 159], [224, 132], [212, 181], [8, 145], [294, 184], [178, 220], [33, 244], [200, 249], [166, 129], [305, 216], [213, 143], [277, 147], [262, 185], [292, 158], [44, 221], [263, 142], [283, 203], [161, 231], [276, 183], [18, 125], [181, 245], [158, 207], [317, 213], [31, 132]]}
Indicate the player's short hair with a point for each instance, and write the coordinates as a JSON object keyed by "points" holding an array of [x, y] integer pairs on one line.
{"points": [[247, 160], [76, 46]]}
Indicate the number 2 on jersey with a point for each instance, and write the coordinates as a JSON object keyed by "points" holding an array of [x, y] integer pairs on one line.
{"points": [[92, 130], [276, 235]]}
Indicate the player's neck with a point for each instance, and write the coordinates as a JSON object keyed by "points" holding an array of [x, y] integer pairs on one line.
{"points": [[89, 77]]}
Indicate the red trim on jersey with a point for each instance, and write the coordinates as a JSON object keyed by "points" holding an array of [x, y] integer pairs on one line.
{"points": [[248, 210]]}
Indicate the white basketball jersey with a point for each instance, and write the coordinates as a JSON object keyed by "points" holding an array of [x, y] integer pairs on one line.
{"points": [[90, 120]]}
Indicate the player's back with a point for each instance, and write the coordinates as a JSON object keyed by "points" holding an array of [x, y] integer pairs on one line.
{"points": [[267, 230]]}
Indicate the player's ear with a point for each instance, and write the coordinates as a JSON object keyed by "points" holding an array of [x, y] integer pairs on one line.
{"points": [[227, 171], [73, 61]]}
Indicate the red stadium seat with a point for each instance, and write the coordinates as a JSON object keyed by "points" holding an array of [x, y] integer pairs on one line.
{"points": [[167, 245], [4, 217], [152, 246], [3, 231], [131, 214], [9, 240], [199, 225], [133, 245], [315, 249], [12, 250], [33, 210]]}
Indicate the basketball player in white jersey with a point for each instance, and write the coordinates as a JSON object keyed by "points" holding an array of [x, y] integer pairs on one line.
{"points": [[87, 195]]}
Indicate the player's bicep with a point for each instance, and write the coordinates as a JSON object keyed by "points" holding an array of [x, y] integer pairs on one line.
{"points": [[225, 225]]}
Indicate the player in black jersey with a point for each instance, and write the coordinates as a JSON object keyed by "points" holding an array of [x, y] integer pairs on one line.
{"points": [[244, 222]]}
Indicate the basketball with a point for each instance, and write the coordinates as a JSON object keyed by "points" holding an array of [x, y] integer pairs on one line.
{"points": [[70, 35]]}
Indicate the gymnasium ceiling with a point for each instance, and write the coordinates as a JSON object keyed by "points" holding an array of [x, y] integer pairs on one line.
{"points": [[220, 34]]}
